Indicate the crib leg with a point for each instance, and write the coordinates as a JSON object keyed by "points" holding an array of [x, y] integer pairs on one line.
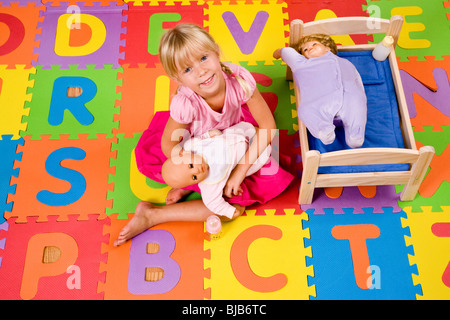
{"points": [[310, 168], [418, 172]]}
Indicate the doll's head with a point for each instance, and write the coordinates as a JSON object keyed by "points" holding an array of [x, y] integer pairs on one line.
{"points": [[184, 170], [316, 45]]}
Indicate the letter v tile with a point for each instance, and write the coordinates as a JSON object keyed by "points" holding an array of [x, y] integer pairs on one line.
{"points": [[246, 41]]}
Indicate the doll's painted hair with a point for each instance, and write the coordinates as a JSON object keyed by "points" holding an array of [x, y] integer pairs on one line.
{"points": [[187, 41], [324, 39]]}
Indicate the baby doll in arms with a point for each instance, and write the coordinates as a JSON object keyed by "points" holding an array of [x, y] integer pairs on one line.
{"points": [[208, 160], [331, 89]]}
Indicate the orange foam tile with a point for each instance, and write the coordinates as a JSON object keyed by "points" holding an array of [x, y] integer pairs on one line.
{"points": [[427, 115], [35, 181], [17, 32], [144, 91], [188, 255], [439, 172], [423, 70]]}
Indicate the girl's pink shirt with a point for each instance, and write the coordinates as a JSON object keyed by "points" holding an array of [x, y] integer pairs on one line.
{"points": [[187, 107]]}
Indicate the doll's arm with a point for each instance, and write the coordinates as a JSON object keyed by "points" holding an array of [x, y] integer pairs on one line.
{"points": [[214, 201], [277, 53], [291, 57]]}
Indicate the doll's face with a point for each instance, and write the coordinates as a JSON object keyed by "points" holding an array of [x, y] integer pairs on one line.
{"points": [[188, 169], [313, 49]]}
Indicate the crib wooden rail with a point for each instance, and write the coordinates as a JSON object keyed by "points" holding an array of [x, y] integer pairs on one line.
{"points": [[343, 26], [312, 160], [368, 156], [349, 25]]}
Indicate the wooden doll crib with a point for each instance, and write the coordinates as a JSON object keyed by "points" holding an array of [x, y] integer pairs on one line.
{"points": [[414, 162]]}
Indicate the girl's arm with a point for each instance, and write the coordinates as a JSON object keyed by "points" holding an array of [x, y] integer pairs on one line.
{"points": [[172, 136], [264, 135]]}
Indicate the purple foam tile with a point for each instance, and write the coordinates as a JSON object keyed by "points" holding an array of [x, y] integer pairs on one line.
{"points": [[140, 260], [3, 226], [352, 199], [438, 99], [21, 3], [108, 53]]}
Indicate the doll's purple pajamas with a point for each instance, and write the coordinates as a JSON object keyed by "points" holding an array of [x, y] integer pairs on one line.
{"points": [[331, 92]]}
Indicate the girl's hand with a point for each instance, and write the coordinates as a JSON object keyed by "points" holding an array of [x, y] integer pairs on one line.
{"points": [[214, 133], [176, 152], [172, 136], [233, 185]]}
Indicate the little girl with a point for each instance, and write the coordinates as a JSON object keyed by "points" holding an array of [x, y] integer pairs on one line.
{"points": [[211, 95], [331, 89], [208, 160]]}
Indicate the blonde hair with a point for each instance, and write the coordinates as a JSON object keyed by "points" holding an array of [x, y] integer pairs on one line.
{"points": [[185, 41], [324, 39]]}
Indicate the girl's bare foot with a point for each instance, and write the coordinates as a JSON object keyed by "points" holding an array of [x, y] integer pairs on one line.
{"points": [[140, 222], [174, 195]]}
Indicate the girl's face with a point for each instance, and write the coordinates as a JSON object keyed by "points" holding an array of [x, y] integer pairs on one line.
{"points": [[313, 49], [203, 74]]}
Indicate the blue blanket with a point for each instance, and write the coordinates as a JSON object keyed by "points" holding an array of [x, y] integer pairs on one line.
{"points": [[383, 125]]}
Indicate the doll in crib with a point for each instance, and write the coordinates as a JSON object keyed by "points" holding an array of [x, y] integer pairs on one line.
{"points": [[208, 160], [331, 89]]}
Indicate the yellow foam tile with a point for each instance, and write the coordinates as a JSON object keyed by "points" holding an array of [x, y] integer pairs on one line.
{"points": [[431, 251], [260, 257]]}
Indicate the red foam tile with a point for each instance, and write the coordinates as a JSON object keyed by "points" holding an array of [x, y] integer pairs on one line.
{"points": [[307, 11], [25, 275], [138, 33]]}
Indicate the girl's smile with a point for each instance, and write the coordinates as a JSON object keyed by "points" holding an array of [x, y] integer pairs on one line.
{"points": [[203, 75], [208, 81]]}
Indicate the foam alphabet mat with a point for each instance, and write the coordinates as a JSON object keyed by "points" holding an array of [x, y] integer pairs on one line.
{"points": [[69, 180]]}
